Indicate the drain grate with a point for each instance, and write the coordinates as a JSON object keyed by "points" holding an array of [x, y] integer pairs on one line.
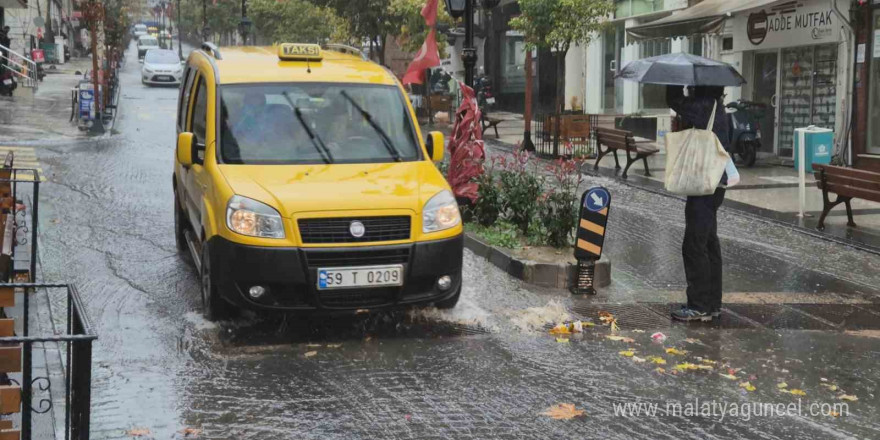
{"points": [[842, 315], [778, 316], [727, 320]]}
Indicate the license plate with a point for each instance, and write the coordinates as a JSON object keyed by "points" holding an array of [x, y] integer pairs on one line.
{"points": [[166, 78], [366, 276], [8, 82], [490, 100]]}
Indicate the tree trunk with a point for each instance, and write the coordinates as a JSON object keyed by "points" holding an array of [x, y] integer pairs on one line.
{"points": [[382, 40]]}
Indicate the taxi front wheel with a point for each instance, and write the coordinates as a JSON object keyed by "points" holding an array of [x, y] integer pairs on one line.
{"points": [[213, 307]]}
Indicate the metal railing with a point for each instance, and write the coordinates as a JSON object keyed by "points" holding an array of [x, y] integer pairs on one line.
{"points": [[27, 69], [77, 372], [577, 138], [25, 232]]}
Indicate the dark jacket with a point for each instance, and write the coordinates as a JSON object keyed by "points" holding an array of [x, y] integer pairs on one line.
{"points": [[694, 112]]}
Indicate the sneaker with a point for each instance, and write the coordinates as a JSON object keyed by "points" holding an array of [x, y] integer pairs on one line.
{"points": [[689, 314]]}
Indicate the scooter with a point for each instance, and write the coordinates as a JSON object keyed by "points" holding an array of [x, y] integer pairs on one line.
{"points": [[7, 82], [745, 129], [485, 97]]}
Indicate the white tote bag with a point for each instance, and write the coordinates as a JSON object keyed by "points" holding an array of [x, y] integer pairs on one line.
{"points": [[695, 160]]}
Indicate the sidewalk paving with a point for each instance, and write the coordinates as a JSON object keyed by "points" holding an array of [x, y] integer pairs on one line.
{"points": [[43, 115]]}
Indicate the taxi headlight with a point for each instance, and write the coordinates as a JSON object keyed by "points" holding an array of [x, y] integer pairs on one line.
{"points": [[250, 217], [441, 212]]}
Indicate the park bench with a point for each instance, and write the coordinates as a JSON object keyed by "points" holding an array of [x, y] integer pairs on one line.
{"points": [[613, 140], [489, 121], [848, 184]]}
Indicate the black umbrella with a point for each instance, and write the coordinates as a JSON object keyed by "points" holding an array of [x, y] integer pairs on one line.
{"points": [[682, 69]]}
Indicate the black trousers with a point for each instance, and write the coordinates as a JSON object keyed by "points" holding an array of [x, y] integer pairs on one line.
{"points": [[702, 251]]}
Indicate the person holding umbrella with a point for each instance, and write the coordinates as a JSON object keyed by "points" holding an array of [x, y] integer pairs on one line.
{"points": [[701, 249]]}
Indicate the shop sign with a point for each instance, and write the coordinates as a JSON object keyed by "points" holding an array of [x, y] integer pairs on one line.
{"points": [[786, 25]]}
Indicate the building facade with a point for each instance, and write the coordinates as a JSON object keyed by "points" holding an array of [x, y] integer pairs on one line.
{"points": [[794, 55]]}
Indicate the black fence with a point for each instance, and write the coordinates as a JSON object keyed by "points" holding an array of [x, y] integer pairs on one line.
{"points": [[77, 343], [576, 137]]}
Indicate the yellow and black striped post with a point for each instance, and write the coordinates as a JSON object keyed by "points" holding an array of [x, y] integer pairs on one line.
{"points": [[595, 205]]}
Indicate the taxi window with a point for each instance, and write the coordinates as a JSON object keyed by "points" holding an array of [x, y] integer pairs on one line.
{"points": [[200, 111], [259, 124], [185, 93]]}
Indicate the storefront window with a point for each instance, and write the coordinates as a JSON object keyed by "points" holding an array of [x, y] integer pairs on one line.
{"points": [[513, 63], [653, 96], [632, 8], [874, 87]]}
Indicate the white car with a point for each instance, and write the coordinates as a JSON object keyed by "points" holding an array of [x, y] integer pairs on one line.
{"points": [[146, 43], [161, 66]]}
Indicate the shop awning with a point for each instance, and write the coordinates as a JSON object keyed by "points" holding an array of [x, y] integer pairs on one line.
{"points": [[706, 17]]}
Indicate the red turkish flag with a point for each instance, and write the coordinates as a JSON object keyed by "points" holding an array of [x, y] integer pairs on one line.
{"points": [[427, 56], [429, 11]]}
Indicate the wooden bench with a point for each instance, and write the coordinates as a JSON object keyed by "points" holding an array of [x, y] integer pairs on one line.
{"points": [[488, 121], [613, 140], [848, 184]]}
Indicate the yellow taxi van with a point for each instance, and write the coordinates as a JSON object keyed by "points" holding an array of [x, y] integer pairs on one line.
{"points": [[302, 183]]}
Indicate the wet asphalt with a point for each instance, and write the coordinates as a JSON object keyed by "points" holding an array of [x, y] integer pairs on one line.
{"points": [[486, 369]]}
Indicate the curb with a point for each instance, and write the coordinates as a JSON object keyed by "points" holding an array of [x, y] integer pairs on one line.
{"points": [[560, 276]]}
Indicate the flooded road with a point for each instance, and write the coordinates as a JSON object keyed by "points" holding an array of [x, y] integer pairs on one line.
{"points": [[486, 369]]}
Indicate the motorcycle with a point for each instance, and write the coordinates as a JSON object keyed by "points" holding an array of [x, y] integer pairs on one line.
{"points": [[7, 82], [745, 129], [485, 96]]}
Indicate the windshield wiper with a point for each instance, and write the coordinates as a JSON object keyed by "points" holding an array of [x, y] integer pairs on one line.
{"points": [[316, 140], [369, 118]]}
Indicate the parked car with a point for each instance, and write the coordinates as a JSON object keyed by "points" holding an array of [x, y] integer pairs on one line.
{"points": [[161, 66], [146, 43], [139, 30]]}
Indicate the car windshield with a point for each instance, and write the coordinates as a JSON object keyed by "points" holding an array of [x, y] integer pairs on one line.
{"points": [[259, 124], [161, 57], [148, 42]]}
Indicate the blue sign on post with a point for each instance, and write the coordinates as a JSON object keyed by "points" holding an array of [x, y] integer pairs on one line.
{"points": [[597, 199]]}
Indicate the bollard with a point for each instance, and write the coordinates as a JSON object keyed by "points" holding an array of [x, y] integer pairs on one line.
{"points": [[595, 205]]}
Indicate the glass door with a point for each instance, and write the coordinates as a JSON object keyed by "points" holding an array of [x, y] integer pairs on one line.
{"points": [[612, 45], [764, 92], [795, 98], [874, 96]]}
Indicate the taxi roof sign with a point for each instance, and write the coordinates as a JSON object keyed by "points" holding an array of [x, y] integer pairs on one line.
{"points": [[299, 52]]}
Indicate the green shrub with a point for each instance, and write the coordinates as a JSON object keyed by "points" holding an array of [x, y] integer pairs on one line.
{"points": [[488, 206], [502, 234]]}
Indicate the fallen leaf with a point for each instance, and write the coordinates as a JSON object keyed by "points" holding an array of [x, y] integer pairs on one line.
{"points": [[368, 339], [733, 370], [728, 376], [606, 317], [361, 311], [620, 338], [627, 353], [588, 324], [563, 411], [577, 327], [311, 353], [660, 370], [823, 379], [708, 361], [138, 432], [313, 345], [658, 337], [753, 377], [673, 350], [614, 327], [408, 417], [797, 392], [830, 386], [747, 386], [686, 366], [782, 385], [194, 432], [562, 340], [560, 329], [835, 414], [638, 360], [657, 360], [334, 345], [638, 331], [693, 341], [849, 397]]}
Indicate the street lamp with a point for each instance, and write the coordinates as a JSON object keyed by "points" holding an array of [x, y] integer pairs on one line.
{"points": [[245, 24], [457, 9], [179, 34]]}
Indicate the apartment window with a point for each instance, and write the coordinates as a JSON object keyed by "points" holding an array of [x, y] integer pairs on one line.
{"points": [[653, 96], [696, 45]]}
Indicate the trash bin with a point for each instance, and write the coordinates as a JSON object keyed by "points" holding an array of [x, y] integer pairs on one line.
{"points": [[818, 143]]}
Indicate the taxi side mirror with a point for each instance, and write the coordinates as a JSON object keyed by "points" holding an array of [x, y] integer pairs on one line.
{"points": [[435, 145], [185, 149]]}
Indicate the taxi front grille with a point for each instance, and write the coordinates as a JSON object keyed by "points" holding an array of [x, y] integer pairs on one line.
{"points": [[338, 230]]}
